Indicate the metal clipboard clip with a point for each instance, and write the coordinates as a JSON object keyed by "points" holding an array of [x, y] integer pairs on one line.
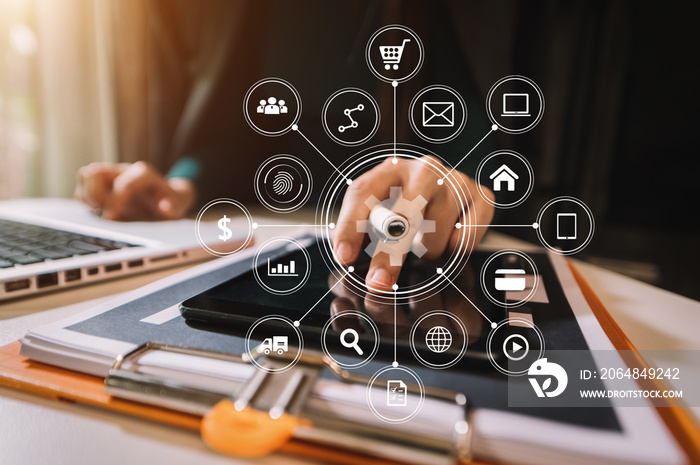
{"points": [[250, 412]]}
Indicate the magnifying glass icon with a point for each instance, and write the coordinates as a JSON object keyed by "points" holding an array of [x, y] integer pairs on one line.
{"points": [[352, 343]]}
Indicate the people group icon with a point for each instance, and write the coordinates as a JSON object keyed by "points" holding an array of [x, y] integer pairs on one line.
{"points": [[272, 106]]}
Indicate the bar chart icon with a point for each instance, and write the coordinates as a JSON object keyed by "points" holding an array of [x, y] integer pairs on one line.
{"points": [[281, 269]]}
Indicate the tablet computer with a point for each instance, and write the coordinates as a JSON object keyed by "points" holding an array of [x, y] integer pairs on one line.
{"points": [[235, 305]]}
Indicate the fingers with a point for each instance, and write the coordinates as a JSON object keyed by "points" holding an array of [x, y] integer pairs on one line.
{"points": [[420, 184], [347, 241], [483, 214], [442, 208], [418, 181], [437, 202], [139, 187], [94, 182], [133, 191], [382, 275], [180, 198]]}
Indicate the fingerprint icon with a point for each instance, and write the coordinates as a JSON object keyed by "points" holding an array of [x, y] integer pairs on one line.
{"points": [[283, 183]]}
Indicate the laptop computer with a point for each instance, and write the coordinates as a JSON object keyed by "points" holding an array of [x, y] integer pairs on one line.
{"points": [[53, 244]]}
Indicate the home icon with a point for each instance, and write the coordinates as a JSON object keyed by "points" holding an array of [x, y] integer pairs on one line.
{"points": [[504, 175]]}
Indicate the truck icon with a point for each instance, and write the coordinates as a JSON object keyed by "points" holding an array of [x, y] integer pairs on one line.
{"points": [[279, 344]]}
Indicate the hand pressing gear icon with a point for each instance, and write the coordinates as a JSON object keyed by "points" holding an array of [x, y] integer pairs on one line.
{"points": [[390, 236]]}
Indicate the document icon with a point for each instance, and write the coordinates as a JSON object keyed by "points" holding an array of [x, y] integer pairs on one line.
{"points": [[395, 393], [438, 114]]}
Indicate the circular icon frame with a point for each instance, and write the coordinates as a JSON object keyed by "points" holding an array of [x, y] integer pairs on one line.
{"points": [[495, 120], [277, 160], [591, 227], [418, 383], [249, 349], [530, 172], [238, 205], [456, 132], [258, 129], [256, 265], [375, 107], [462, 350], [484, 287], [508, 321], [365, 318], [378, 73]]}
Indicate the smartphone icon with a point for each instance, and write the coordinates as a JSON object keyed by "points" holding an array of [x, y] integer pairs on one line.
{"points": [[566, 225]]}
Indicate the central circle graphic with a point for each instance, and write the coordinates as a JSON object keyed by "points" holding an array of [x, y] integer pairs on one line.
{"points": [[453, 262]]}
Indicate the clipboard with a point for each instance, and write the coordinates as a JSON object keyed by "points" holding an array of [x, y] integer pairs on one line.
{"points": [[23, 374], [20, 373], [212, 417]]}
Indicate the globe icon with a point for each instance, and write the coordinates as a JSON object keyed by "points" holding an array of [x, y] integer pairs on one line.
{"points": [[438, 339]]}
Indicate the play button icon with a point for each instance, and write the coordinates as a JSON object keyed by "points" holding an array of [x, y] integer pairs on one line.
{"points": [[516, 347], [513, 345]]}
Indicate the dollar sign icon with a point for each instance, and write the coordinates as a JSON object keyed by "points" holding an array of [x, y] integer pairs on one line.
{"points": [[227, 233]]}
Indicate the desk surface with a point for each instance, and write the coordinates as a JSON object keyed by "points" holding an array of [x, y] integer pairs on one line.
{"points": [[37, 430]]}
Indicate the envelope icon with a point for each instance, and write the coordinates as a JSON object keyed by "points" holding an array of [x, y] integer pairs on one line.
{"points": [[438, 114]]}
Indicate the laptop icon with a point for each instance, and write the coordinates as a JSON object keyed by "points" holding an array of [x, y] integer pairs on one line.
{"points": [[516, 104]]}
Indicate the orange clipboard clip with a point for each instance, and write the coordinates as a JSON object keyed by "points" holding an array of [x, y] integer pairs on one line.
{"points": [[261, 413]]}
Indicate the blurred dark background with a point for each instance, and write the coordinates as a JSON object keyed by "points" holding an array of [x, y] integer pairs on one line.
{"points": [[621, 84], [155, 80], [619, 79]]}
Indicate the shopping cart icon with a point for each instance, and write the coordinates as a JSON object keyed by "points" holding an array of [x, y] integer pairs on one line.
{"points": [[391, 54]]}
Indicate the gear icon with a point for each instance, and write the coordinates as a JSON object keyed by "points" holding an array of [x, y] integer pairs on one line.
{"points": [[411, 241]]}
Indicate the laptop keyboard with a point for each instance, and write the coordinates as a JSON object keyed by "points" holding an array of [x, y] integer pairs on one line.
{"points": [[24, 244]]}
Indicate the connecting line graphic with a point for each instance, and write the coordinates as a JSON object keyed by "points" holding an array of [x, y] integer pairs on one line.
{"points": [[395, 363], [440, 271], [258, 225], [296, 128], [395, 85], [464, 225], [494, 128], [350, 270]]}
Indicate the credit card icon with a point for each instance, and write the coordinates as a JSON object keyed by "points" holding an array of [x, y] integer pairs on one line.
{"points": [[512, 279]]}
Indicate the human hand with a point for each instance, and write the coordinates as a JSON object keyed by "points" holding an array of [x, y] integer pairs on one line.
{"points": [[128, 192], [415, 177]]}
